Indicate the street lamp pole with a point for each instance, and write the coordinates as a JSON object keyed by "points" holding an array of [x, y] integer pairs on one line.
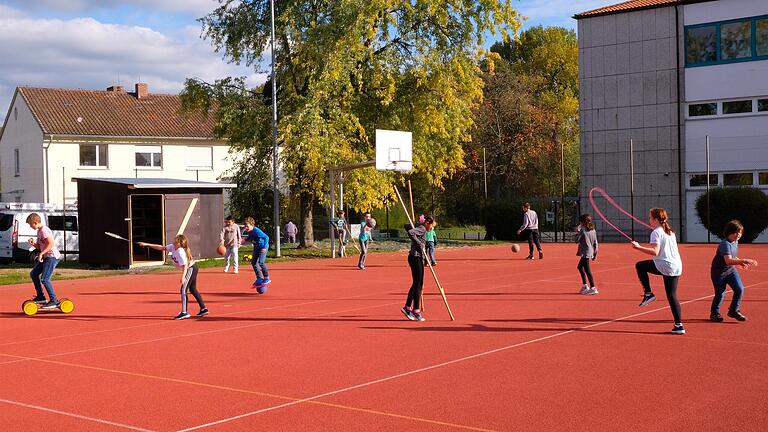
{"points": [[275, 192]]}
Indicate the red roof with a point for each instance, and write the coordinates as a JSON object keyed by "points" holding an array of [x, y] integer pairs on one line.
{"points": [[626, 7], [113, 113]]}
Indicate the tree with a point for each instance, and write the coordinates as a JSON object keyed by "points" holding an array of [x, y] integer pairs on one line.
{"points": [[344, 69], [530, 109], [747, 204]]}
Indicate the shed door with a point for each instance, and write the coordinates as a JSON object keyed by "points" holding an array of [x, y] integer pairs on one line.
{"points": [[182, 216]]}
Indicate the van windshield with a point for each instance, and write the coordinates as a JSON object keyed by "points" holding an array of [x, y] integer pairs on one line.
{"points": [[6, 221]]}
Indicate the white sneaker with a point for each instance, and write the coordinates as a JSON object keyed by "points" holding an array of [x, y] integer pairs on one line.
{"points": [[226, 269], [235, 271], [592, 291], [584, 289]]}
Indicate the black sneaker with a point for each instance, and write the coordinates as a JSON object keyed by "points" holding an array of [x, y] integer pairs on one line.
{"points": [[529, 257], [541, 255], [678, 329], [647, 298], [203, 312], [50, 305], [408, 314], [40, 300], [738, 316], [182, 315], [418, 316], [716, 317]]}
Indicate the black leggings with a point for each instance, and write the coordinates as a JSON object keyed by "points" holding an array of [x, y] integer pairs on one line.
{"points": [[190, 284], [670, 285], [584, 270], [417, 272]]}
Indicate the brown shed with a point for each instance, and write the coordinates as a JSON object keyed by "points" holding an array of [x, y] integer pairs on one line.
{"points": [[151, 210]]}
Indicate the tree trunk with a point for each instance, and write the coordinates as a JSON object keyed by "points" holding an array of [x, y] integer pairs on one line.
{"points": [[306, 233]]}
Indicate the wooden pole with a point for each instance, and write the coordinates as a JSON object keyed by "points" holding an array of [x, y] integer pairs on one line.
{"points": [[439, 286]]}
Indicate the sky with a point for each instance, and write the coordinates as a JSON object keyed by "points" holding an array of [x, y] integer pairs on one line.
{"points": [[93, 44]]}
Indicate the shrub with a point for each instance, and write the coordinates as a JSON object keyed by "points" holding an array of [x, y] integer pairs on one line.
{"points": [[747, 204]]}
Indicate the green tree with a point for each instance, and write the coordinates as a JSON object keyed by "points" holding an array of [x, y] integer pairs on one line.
{"points": [[530, 109], [344, 69], [747, 204]]}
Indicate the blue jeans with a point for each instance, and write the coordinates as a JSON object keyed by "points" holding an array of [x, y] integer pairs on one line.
{"points": [[430, 246], [720, 282], [41, 275], [259, 264]]}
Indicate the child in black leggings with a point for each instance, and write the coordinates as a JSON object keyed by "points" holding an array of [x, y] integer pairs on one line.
{"points": [[416, 257], [666, 262], [587, 240]]}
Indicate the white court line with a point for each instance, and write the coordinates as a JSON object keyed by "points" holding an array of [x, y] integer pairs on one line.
{"points": [[436, 366], [221, 330], [170, 322], [77, 416]]}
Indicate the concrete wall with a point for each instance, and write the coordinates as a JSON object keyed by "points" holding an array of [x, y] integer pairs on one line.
{"points": [[121, 162], [22, 132], [628, 90]]}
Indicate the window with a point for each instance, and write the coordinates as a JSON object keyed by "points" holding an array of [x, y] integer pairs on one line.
{"points": [[695, 110], [93, 155], [761, 37], [16, 163], [56, 223], [762, 105], [200, 158], [701, 180], [736, 107], [6, 221], [762, 178], [149, 156], [736, 40], [700, 45], [737, 179]]}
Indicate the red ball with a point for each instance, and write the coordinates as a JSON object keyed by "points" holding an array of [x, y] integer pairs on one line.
{"points": [[221, 249]]}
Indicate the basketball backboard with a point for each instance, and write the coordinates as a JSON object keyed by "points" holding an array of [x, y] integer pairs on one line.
{"points": [[394, 150]]}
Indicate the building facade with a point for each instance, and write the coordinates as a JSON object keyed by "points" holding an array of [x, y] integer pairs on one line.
{"points": [[664, 78], [51, 136]]}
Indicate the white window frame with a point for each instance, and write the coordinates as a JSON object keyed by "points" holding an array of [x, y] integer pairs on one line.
{"points": [[193, 152], [98, 165], [152, 150]]}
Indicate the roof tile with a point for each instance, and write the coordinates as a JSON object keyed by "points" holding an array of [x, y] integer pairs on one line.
{"points": [[112, 113], [626, 7]]}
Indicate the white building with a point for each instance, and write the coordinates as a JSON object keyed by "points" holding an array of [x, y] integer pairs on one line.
{"points": [[53, 135], [691, 71]]}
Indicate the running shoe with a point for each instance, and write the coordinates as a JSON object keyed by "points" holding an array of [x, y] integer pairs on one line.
{"points": [[407, 312], [716, 317], [40, 300], [592, 291], [541, 255], [182, 315], [418, 316], [50, 305], [584, 289], [647, 298], [203, 312], [678, 329], [738, 316]]}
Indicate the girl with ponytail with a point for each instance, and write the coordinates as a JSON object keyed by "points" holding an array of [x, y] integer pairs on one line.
{"points": [[181, 255], [666, 262]]}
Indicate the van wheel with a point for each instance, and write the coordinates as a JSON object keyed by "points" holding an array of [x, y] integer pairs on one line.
{"points": [[33, 255]]}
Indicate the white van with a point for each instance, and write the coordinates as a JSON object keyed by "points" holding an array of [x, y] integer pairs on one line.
{"points": [[15, 232]]}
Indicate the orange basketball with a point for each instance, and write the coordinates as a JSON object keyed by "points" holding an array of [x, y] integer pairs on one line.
{"points": [[221, 249], [515, 248]]}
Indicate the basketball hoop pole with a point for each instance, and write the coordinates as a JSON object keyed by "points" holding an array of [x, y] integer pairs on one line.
{"points": [[439, 286]]}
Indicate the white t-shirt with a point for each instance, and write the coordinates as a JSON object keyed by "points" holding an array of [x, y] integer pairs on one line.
{"points": [[179, 256], [668, 260]]}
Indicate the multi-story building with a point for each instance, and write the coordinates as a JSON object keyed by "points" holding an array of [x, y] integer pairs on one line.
{"points": [[54, 135], [670, 79]]}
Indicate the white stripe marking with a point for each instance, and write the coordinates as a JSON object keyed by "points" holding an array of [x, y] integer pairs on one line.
{"points": [[187, 216], [77, 416], [427, 368]]}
